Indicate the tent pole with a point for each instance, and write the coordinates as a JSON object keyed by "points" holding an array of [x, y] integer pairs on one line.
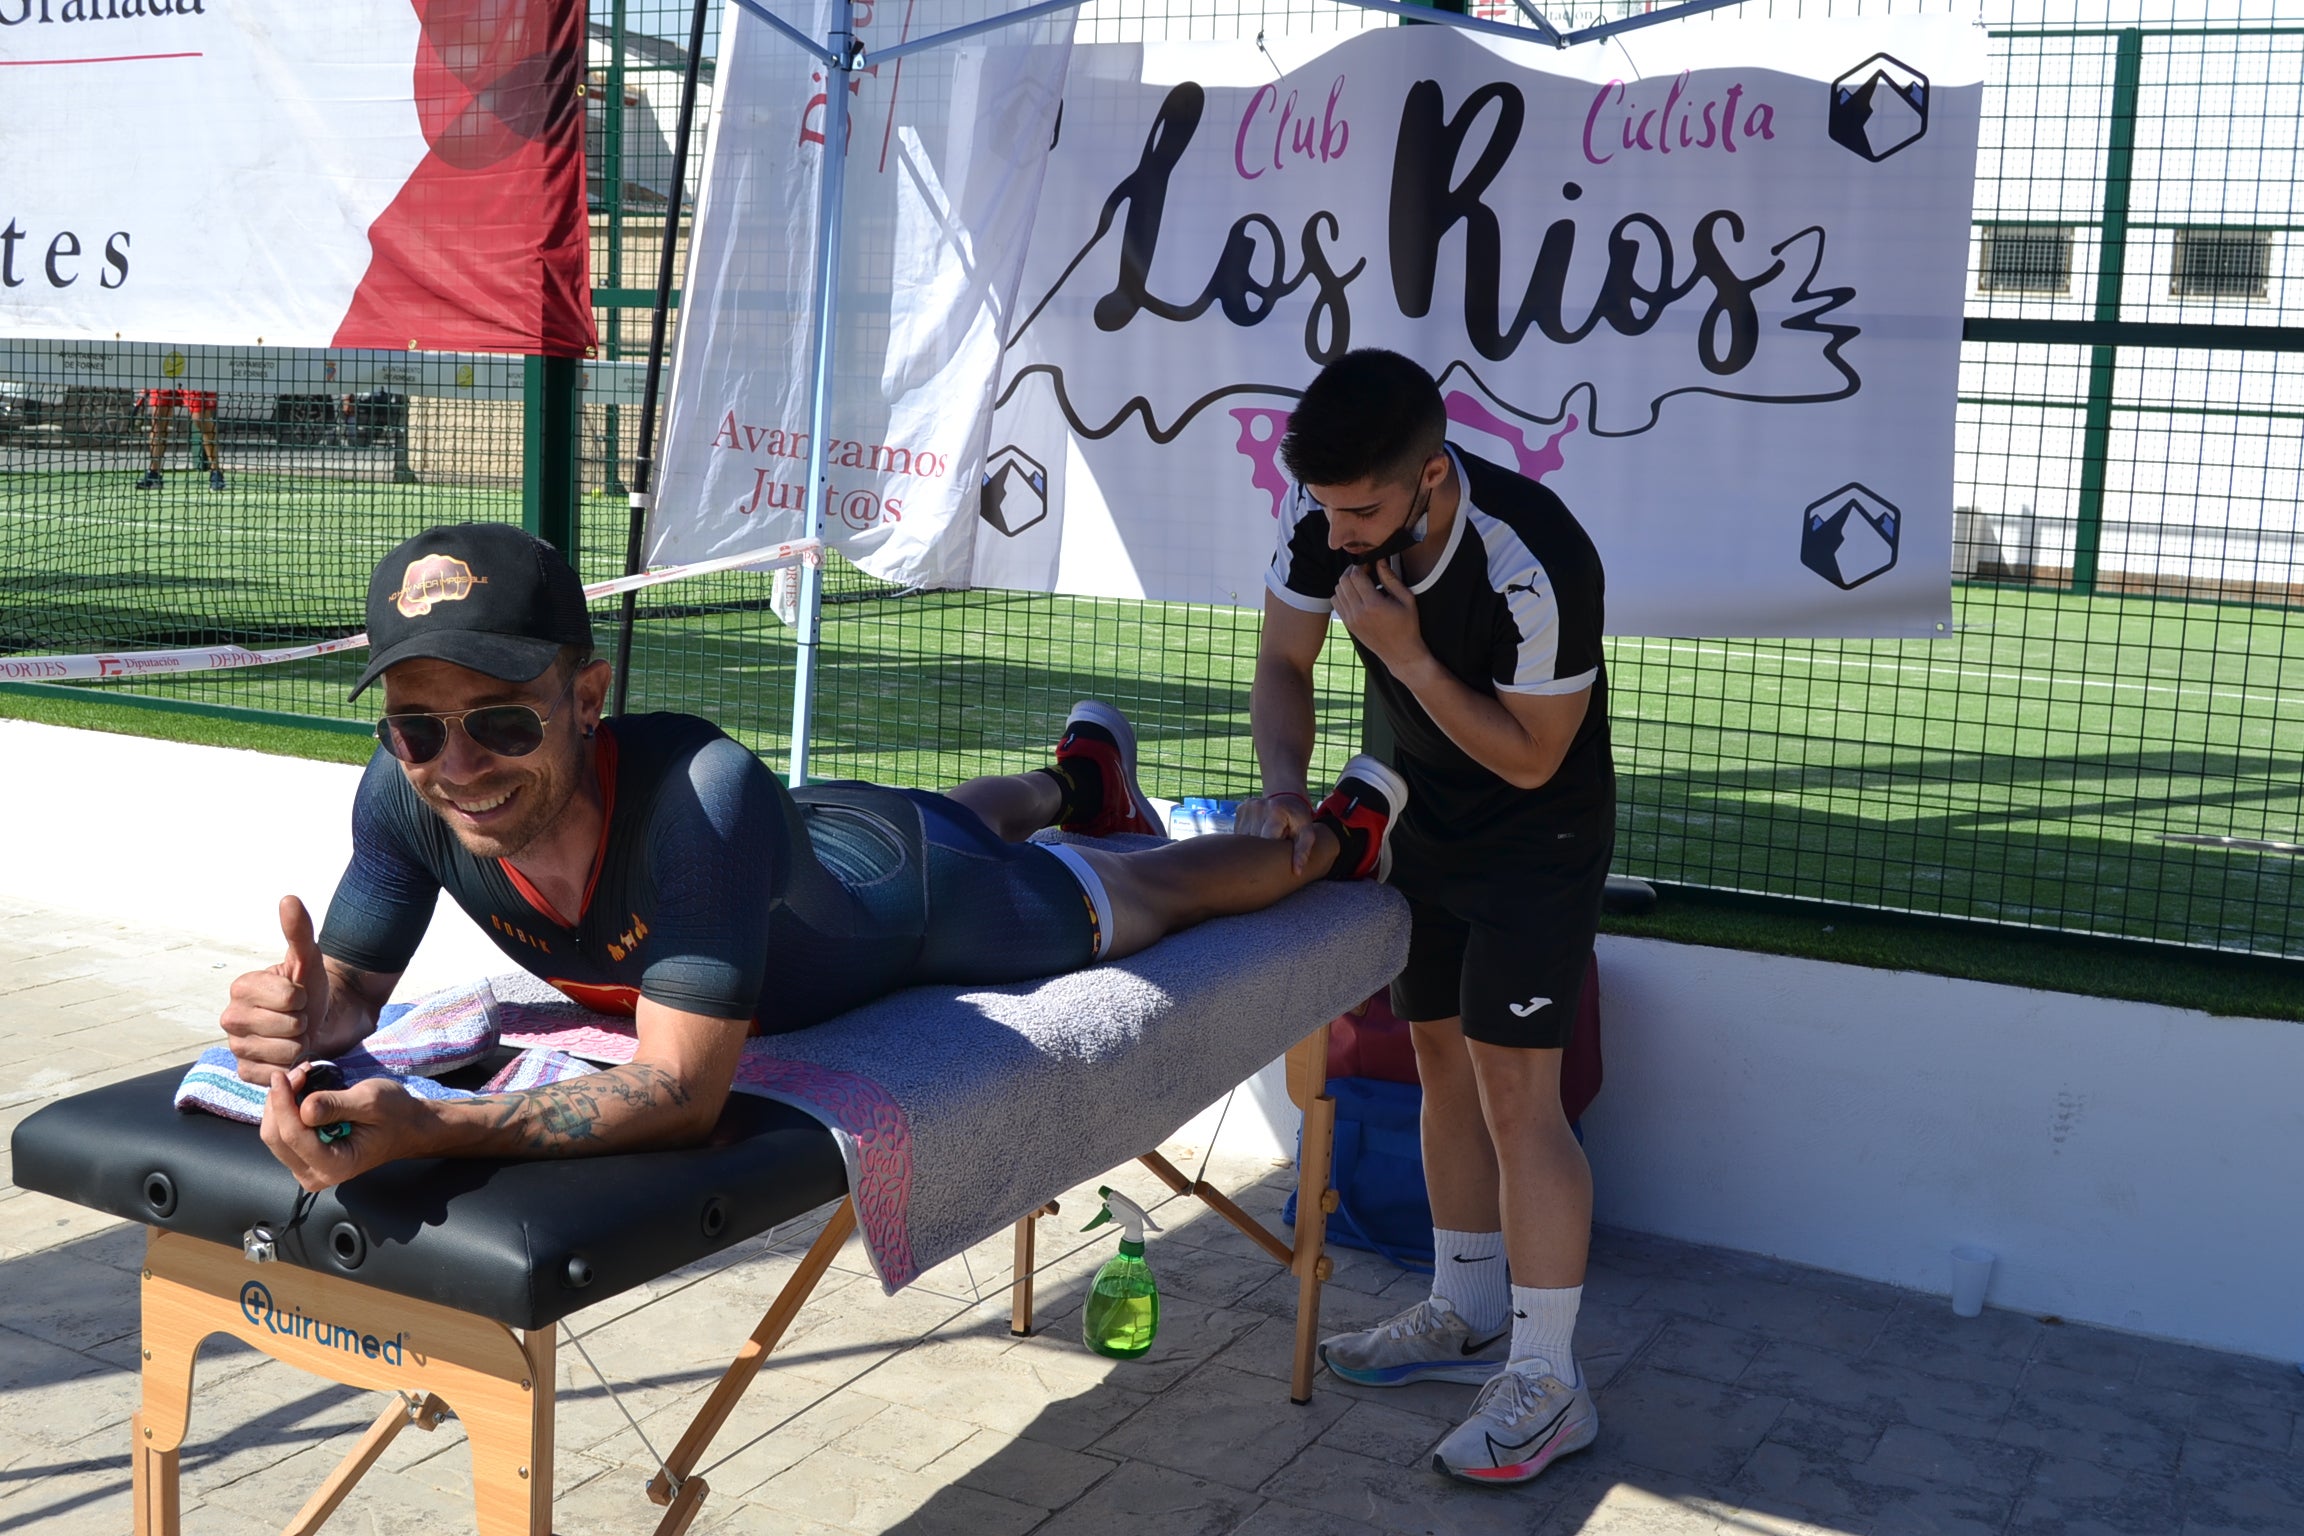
{"points": [[644, 461], [831, 194]]}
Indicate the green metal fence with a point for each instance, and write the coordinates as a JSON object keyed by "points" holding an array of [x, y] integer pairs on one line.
{"points": [[2108, 742]]}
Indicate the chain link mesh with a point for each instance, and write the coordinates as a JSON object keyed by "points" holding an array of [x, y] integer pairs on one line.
{"points": [[2126, 667]]}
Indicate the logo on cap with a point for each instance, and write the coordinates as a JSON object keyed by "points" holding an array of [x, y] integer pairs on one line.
{"points": [[434, 579]]}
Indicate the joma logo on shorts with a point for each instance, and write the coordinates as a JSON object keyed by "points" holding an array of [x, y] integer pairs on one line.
{"points": [[434, 579]]}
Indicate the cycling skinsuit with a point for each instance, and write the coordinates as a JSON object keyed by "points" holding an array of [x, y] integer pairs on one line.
{"points": [[717, 891]]}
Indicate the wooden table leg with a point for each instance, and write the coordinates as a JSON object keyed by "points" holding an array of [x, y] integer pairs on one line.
{"points": [[1020, 1292], [1020, 1289], [681, 1512], [1307, 1072], [1314, 1200], [154, 1486], [397, 1416], [512, 1447], [697, 1438], [499, 1386]]}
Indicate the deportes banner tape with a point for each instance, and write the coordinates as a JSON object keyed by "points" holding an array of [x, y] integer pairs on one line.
{"points": [[225, 658]]}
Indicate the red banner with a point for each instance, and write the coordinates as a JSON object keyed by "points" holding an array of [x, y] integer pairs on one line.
{"points": [[366, 173]]}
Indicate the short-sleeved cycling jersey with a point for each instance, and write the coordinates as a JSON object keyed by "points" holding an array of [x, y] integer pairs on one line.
{"points": [[1514, 605], [715, 891]]}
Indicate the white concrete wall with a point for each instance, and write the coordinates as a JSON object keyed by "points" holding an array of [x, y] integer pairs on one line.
{"points": [[206, 841], [198, 839], [2132, 1165], [2136, 1166]]}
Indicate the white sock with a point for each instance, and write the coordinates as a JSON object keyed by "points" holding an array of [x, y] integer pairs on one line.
{"points": [[1544, 1332], [1469, 1273]]}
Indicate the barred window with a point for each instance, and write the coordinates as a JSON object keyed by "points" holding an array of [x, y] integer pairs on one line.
{"points": [[2026, 258], [2221, 264]]}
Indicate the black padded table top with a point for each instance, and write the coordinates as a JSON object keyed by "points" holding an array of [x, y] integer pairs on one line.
{"points": [[525, 1243]]}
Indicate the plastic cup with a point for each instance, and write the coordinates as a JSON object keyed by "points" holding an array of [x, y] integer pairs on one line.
{"points": [[1971, 1277]]}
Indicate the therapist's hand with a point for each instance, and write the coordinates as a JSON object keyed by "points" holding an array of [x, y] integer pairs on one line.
{"points": [[387, 1123], [1280, 815], [1286, 817], [1379, 608]]}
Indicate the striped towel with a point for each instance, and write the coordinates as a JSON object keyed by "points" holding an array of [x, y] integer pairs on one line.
{"points": [[413, 1044]]}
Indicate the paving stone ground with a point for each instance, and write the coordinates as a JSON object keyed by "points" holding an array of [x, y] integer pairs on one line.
{"points": [[1738, 1395]]}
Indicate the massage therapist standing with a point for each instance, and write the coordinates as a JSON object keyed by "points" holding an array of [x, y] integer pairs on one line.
{"points": [[1474, 599]]}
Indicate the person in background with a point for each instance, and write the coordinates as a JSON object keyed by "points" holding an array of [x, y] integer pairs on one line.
{"points": [[200, 405]]}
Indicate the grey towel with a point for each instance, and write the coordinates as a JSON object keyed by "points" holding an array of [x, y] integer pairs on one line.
{"points": [[960, 1109]]}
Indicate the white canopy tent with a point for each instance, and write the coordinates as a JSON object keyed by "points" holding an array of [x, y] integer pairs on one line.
{"points": [[843, 56]]}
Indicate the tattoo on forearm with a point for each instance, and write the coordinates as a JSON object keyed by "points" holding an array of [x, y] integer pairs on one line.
{"points": [[572, 1117]]}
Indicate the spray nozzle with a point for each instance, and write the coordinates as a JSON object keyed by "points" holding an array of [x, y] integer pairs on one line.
{"points": [[1133, 1218]]}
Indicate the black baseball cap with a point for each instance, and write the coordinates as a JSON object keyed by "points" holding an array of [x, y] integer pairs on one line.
{"points": [[489, 596]]}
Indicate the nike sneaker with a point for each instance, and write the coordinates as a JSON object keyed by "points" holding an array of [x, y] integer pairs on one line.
{"points": [[1428, 1342], [1362, 810], [1096, 757], [150, 482], [1520, 1424]]}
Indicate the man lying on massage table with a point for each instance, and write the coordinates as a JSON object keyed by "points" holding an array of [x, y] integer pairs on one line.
{"points": [[650, 865]]}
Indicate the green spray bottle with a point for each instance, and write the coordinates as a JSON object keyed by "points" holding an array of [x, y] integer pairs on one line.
{"points": [[1124, 1304]]}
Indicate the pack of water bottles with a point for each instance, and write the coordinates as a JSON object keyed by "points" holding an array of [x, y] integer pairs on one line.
{"points": [[1195, 814]]}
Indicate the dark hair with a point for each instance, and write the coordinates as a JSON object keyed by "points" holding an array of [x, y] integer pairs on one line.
{"points": [[572, 660], [1370, 414]]}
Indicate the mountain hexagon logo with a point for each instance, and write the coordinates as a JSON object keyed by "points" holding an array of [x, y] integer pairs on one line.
{"points": [[1015, 495], [1879, 107], [1850, 536]]}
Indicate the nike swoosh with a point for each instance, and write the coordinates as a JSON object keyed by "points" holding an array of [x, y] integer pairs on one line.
{"points": [[1472, 1348], [1522, 1010], [1458, 1258], [1495, 1445]]}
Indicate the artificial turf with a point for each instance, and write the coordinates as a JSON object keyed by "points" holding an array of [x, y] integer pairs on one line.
{"points": [[2026, 768]]}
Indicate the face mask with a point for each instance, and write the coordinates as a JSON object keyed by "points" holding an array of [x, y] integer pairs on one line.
{"points": [[1407, 537]]}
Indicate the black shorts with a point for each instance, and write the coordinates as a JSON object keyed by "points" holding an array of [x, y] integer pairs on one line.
{"points": [[1505, 950], [997, 911]]}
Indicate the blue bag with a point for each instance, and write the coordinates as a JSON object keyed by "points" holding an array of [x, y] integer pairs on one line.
{"points": [[1378, 1172]]}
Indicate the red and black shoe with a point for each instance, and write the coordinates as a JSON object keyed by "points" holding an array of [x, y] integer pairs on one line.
{"points": [[1362, 810], [1096, 759]]}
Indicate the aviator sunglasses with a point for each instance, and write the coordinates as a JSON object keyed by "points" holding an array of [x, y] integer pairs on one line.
{"points": [[507, 730]]}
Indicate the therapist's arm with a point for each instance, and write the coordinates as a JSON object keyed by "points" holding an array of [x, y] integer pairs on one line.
{"points": [[1281, 718]]}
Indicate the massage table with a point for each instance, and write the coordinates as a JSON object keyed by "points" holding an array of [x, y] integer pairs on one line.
{"points": [[443, 1281]]}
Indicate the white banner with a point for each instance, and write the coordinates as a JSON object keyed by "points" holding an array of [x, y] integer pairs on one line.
{"points": [[52, 367], [355, 173], [944, 161], [1716, 307]]}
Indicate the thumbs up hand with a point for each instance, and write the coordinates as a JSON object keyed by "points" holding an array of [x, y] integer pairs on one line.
{"points": [[275, 1014]]}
